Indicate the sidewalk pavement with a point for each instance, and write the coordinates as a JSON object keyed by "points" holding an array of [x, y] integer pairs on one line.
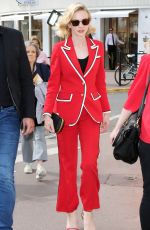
{"points": [[112, 86]]}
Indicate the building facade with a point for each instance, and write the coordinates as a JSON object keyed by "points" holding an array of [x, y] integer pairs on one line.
{"points": [[130, 19]]}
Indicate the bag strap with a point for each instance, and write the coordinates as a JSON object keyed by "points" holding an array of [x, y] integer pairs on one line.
{"points": [[140, 111]]}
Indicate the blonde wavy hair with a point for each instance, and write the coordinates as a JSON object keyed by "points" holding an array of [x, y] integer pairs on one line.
{"points": [[62, 26]]}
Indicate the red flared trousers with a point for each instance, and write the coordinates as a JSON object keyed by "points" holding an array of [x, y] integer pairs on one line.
{"points": [[88, 132]]}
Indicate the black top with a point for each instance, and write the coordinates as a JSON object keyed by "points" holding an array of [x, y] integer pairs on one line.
{"points": [[83, 63], [5, 98]]}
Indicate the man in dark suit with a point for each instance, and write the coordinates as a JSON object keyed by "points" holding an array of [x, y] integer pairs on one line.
{"points": [[16, 106]]}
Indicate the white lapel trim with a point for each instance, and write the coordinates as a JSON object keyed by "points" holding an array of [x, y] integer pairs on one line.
{"points": [[94, 46], [65, 47]]}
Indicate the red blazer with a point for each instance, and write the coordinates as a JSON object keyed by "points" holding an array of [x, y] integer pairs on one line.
{"points": [[136, 93], [69, 90]]}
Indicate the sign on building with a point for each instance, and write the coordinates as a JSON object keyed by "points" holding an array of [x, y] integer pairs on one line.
{"points": [[27, 2]]}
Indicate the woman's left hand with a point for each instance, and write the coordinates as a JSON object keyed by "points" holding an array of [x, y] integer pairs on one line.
{"points": [[105, 123]]}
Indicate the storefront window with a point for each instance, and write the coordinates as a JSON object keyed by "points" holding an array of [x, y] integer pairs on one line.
{"points": [[24, 28], [133, 33], [122, 33], [9, 24], [53, 38], [122, 28], [127, 31], [36, 28]]}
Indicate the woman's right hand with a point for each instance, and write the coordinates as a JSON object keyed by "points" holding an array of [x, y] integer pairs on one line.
{"points": [[48, 124], [123, 117], [113, 135]]}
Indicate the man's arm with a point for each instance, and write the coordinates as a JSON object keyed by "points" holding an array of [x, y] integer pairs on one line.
{"points": [[26, 83], [27, 91], [119, 41]]}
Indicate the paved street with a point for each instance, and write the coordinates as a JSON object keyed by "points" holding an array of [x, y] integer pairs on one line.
{"points": [[121, 186]]}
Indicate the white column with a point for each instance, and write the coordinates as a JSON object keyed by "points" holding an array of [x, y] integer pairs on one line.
{"points": [[16, 24], [98, 23], [46, 37], [143, 28], [30, 22]]}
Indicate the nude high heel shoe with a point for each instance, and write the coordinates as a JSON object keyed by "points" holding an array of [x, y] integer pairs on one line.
{"points": [[72, 221], [88, 220]]}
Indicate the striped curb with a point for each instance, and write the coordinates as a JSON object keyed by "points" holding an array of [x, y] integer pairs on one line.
{"points": [[112, 90]]}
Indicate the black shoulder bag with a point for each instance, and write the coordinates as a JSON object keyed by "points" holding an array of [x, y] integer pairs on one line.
{"points": [[126, 142]]}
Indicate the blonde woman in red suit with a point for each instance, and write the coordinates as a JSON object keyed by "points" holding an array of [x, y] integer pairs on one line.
{"points": [[77, 91], [131, 105]]}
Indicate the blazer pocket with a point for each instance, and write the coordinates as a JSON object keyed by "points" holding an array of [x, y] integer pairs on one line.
{"points": [[64, 97], [95, 96]]}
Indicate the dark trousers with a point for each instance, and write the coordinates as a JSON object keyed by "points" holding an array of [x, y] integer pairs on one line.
{"points": [[112, 52], [144, 150]]}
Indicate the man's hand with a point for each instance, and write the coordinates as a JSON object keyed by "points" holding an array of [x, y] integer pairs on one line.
{"points": [[108, 54], [27, 126]]}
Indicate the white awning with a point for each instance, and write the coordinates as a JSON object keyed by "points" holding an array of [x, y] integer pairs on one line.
{"points": [[112, 13], [42, 16], [12, 18]]}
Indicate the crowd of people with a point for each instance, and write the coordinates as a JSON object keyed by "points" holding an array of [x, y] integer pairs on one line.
{"points": [[72, 85]]}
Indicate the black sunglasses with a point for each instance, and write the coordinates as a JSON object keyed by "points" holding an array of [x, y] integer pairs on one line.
{"points": [[84, 21]]}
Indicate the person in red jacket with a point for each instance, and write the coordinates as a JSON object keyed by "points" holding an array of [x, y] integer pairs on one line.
{"points": [[77, 91], [132, 104]]}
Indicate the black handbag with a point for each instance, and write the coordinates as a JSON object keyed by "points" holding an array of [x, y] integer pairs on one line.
{"points": [[58, 122], [126, 142]]}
